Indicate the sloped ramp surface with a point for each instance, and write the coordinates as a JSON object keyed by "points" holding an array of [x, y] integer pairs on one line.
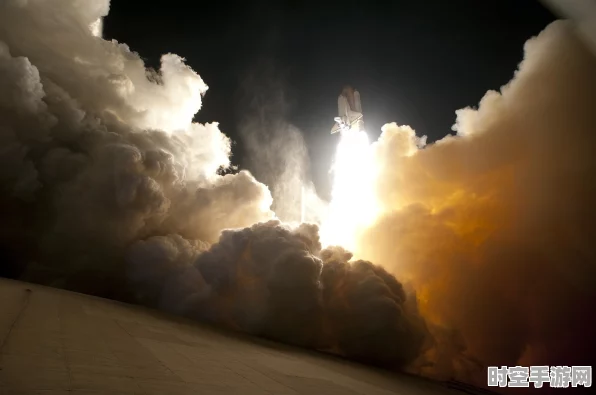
{"points": [[54, 342]]}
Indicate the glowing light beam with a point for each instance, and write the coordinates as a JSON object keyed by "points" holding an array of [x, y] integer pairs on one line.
{"points": [[353, 205]]}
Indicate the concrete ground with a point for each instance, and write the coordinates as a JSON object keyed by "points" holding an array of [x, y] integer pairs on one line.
{"points": [[54, 342]]}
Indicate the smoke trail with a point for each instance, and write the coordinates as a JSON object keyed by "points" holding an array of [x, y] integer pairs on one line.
{"points": [[494, 227], [276, 150]]}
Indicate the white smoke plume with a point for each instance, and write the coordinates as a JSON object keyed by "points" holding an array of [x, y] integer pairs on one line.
{"points": [[98, 152]]}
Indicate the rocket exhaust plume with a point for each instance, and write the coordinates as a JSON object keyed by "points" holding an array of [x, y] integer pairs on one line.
{"points": [[353, 205], [109, 188]]}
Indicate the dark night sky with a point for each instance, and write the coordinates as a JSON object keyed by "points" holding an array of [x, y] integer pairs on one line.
{"points": [[414, 62]]}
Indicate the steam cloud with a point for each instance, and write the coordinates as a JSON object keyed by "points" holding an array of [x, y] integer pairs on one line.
{"points": [[109, 188], [493, 227], [99, 152]]}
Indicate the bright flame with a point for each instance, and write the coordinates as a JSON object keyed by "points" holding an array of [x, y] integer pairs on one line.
{"points": [[353, 204]]}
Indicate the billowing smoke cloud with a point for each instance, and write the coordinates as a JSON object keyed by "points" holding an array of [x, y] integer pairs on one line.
{"points": [[109, 188], [494, 227], [275, 281], [99, 152]]}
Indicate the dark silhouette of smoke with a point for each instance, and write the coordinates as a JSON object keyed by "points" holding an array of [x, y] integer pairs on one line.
{"points": [[275, 281]]}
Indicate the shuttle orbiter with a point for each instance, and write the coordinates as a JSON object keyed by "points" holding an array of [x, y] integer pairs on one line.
{"points": [[349, 111]]}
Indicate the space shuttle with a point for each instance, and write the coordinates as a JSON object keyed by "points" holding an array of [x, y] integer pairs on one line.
{"points": [[349, 111]]}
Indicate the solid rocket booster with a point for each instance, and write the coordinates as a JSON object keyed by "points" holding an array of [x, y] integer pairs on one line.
{"points": [[349, 110]]}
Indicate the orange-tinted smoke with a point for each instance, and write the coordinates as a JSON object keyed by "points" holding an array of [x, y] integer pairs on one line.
{"points": [[494, 227]]}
